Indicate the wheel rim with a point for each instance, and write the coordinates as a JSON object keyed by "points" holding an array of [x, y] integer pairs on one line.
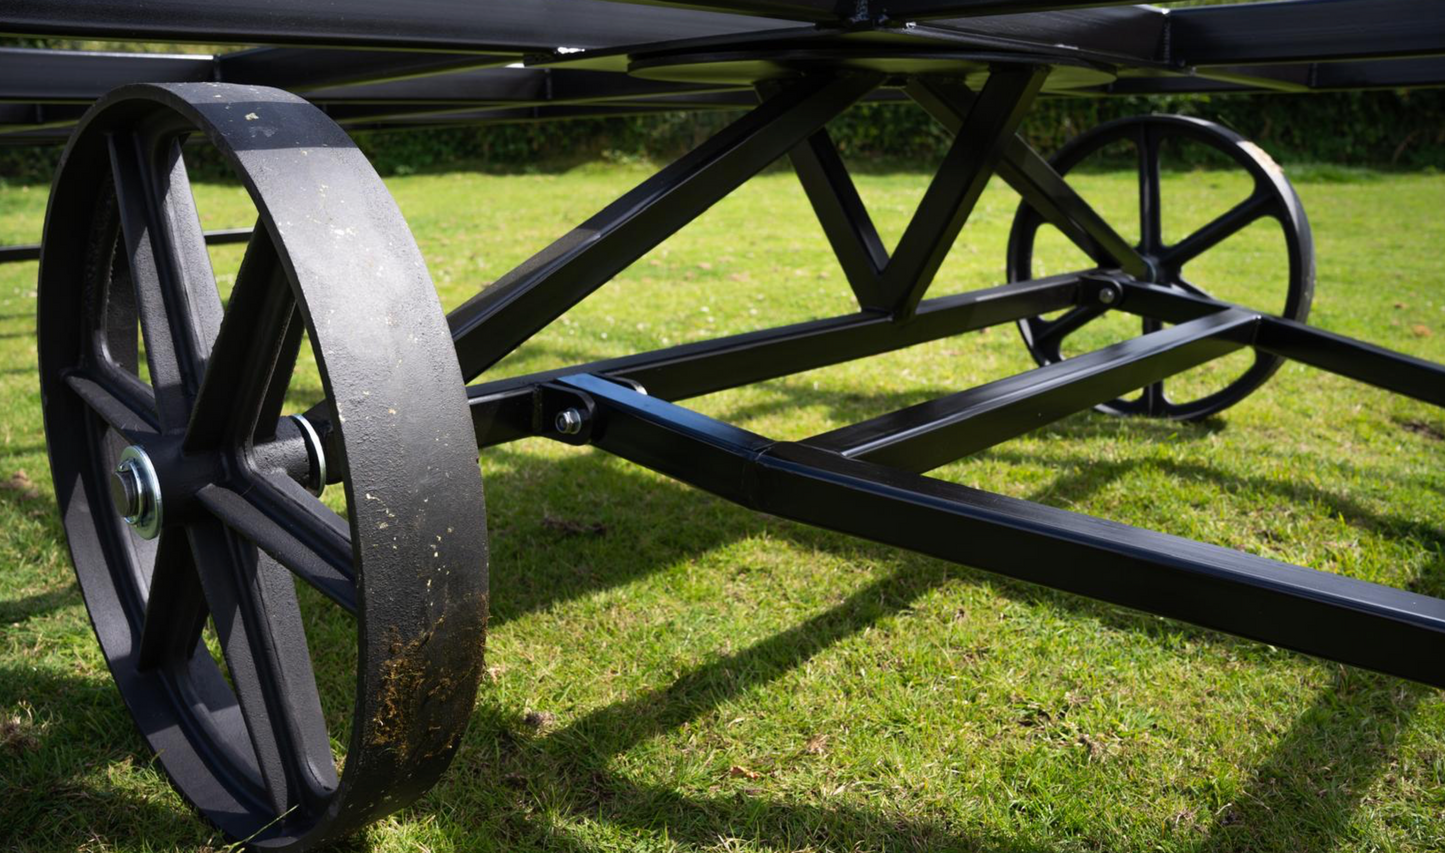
{"points": [[331, 255], [1272, 196]]}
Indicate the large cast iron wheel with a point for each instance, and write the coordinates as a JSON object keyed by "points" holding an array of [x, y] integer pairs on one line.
{"points": [[219, 478], [1272, 196]]}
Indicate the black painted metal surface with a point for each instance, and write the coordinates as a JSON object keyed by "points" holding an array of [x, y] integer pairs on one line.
{"points": [[123, 250], [1271, 196], [123, 253]]}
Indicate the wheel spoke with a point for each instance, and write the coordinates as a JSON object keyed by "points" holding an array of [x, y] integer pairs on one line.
{"points": [[1217, 231], [1154, 400], [258, 621], [1048, 335], [1151, 228], [119, 399], [176, 607], [1189, 287], [249, 349], [179, 308], [275, 397], [115, 319], [295, 529]]}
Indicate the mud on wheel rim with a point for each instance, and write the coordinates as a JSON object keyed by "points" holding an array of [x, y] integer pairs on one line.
{"points": [[1271, 196], [330, 255]]}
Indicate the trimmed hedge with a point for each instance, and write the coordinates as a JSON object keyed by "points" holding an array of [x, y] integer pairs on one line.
{"points": [[1399, 130]]}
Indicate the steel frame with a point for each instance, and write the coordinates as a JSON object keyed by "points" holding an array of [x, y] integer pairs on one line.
{"points": [[976, 66], [862, 478]]}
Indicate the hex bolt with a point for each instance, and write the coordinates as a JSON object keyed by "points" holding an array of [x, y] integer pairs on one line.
{"points": [[569, 421], [125, 490], [137, 492], [1108, 294]]}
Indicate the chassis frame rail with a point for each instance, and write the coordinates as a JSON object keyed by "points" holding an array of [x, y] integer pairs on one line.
{"points": [[1381, 628]]}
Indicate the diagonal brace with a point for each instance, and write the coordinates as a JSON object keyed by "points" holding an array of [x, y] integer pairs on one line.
{"points": [[1037, 182], [496, 321], [990, 124]]}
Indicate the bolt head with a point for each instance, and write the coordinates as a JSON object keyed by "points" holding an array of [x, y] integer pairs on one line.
{"points": [[125, 490], [569, 422], [1108, 295], [136, 491]]}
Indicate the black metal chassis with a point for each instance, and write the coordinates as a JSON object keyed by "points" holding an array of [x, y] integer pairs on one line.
{"points": [[434, 64]]}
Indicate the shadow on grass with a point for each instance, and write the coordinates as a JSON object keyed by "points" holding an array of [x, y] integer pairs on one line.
{"points": [[39, 604], [568, 769], [1305, 794], [56, 789], [1302, 796]]}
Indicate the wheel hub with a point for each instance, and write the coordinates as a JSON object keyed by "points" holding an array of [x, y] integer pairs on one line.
{"points": [[136, 491]]}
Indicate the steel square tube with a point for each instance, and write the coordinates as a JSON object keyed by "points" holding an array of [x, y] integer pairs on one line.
{"points": [[1389, 630], [1373, 365], [923, 437], [979, 144], [299, 69], [1033, 178], [31, 251], [444, 25], [1295, 31], [493, 323], [502, 410]]}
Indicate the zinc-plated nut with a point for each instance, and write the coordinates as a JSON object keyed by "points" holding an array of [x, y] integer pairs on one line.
{"points": [[1108, 294], [569, 421], [316, 452], [136, 490]]}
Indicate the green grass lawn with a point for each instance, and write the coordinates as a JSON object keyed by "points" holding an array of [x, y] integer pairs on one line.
{"points": [[671, 672]]}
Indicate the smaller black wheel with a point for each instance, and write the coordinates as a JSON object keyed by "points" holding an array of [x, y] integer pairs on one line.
{"points": [[1271, 197]]}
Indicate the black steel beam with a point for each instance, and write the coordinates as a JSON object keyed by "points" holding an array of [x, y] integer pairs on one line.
{"points": [[300, 69], [921, 10], [986, 130], [78, 76], [845, 220], [1035, 181], [1320, 613], [923, 437], [1382, 368], [376, 118], [461, 26], [503, 410], [31, 252], [506, 86], [1306, 30], [798, 10], [1134, 34], [27, 117], [515, 307]]}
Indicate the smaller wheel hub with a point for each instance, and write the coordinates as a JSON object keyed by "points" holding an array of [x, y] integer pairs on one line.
{"points": [[136, 491]]}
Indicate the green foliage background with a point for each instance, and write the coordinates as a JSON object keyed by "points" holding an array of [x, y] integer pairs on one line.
{"points": [[1404, 130], [1394, 130], [1387, 129]]}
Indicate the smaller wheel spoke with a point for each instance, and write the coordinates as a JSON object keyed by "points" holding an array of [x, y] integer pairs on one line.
{"points": [[1218, 230], [123, 410], [258, 622], [1151, 227], [254, 341], [296, 530], [175, 608], [1154, 399], [1190, 287], [177, 302], [1048, 335]]}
